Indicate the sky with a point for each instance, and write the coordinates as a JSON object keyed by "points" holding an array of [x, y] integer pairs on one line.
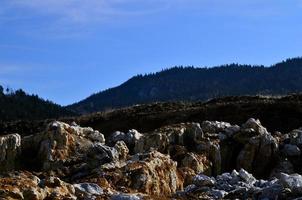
{"points": [[65, 50]]}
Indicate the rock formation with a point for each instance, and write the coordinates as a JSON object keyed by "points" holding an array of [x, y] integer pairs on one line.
{"points": [[211, 160], [10, 146]]}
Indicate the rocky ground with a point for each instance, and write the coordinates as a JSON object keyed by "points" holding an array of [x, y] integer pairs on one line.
{"points": [[208, 160]]}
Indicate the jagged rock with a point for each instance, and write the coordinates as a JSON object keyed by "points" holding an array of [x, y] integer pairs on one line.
{"points": [[247, 177], [129, 138], [235, 185], [255, 125], [87, 190], [156, 164], [96, 136], [188, 174], [117, 136], [291, 150], [122, 150], [293, 182], [100, 154], [223, 129], [212, 151], [218, 194], [126, 197], [134, 136], [156, 141], [214, 126], [198, 162], [61, 143], [10, 147], [271, 192], [258, 155], [27, 186], [248, 130], [203, 180], [151, 173], [185, 134], [295, 137]]}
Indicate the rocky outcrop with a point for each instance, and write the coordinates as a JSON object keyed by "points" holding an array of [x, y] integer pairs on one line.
{"points": [[151, 173], [214, 160], [25, 185], [160, 139], [258, 154], [242, 185], [61, 143], [10, 148]]}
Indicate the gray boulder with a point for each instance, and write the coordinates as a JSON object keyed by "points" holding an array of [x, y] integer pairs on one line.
{"points": [[247, 177], [88, 189], [293, 182], [126, 197], [203, 180]]}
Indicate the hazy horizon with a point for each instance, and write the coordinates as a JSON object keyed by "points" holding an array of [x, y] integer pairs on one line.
{"points": [[66, 50]]}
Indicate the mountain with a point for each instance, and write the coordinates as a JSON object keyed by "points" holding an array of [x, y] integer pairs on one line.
{"points": [[191, 84], [18, 105]]}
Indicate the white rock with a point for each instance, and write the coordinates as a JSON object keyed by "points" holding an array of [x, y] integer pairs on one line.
{"points": [[97, 136], [293, 182], [203, 180], [247, 177], [125, 197], [255, 125], [88, 189]]}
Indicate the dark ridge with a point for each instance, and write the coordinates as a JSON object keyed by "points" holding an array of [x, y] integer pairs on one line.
{"points": [[276, 113], [198, 84], [18, 105]]}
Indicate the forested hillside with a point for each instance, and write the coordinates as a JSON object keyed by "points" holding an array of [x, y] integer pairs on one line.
{"points": [[17, 105], [190, 84]]}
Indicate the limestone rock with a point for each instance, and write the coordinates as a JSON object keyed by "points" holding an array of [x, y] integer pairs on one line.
{"points": [[212, 151], [126, 197], [122, 150], [87, 190], [214, 126], [203, 180], [61, 143], [260, 149], [247, 177], [130, 138], [24, 185], [198, 162], [152, 173], [255, 125], [185, 134]]}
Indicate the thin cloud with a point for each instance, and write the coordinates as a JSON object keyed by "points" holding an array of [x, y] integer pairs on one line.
{"points": [[83, 11], [62, 19]]}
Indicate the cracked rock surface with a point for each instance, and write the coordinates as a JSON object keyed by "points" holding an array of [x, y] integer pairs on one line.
{"points": [[211, 160]]}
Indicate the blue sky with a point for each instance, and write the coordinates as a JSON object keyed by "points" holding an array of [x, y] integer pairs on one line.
{"points": [[64, 50]]}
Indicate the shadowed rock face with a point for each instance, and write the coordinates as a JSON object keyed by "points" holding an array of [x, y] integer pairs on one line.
{"points": [[214, 160], [10, 148]]}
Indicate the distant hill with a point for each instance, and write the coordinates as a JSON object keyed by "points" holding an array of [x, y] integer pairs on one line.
{"points": [[191, 84], [17, 105]]}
